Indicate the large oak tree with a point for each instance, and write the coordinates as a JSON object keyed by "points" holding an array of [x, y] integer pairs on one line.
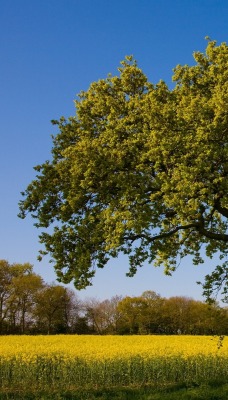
{"points": [[140, 169]]}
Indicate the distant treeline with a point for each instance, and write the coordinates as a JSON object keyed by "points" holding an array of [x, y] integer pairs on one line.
{"points": [[28, 305]]}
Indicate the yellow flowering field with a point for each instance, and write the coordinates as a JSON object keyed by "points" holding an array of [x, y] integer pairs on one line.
{"points": [[88, 347], [98, 361]]}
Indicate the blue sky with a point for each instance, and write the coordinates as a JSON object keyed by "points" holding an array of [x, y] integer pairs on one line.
{"points": [[50, 51]]}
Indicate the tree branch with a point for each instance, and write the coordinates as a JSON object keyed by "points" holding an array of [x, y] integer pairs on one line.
{"points": [[199, 227], [209, 234], [220, 209], [212, 235], [162, 235]]}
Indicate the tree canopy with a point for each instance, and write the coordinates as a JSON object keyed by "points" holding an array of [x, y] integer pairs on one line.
{"points": [[140, 169]]}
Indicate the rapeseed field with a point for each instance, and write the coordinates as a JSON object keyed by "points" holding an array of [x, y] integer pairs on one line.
{"points": [[72, 361]]}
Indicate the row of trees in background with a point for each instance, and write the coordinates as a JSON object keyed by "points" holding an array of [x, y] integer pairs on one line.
{"points": [[28, 305]]}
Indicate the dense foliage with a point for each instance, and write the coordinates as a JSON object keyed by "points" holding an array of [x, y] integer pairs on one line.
{"points": [[140, 169], [29, 305]]}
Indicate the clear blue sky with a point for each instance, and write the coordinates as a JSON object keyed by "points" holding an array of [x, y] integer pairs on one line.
{"points": [[50, 51]]}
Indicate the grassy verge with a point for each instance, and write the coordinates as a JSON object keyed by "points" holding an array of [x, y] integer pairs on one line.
{"points": [[214, 391]]}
